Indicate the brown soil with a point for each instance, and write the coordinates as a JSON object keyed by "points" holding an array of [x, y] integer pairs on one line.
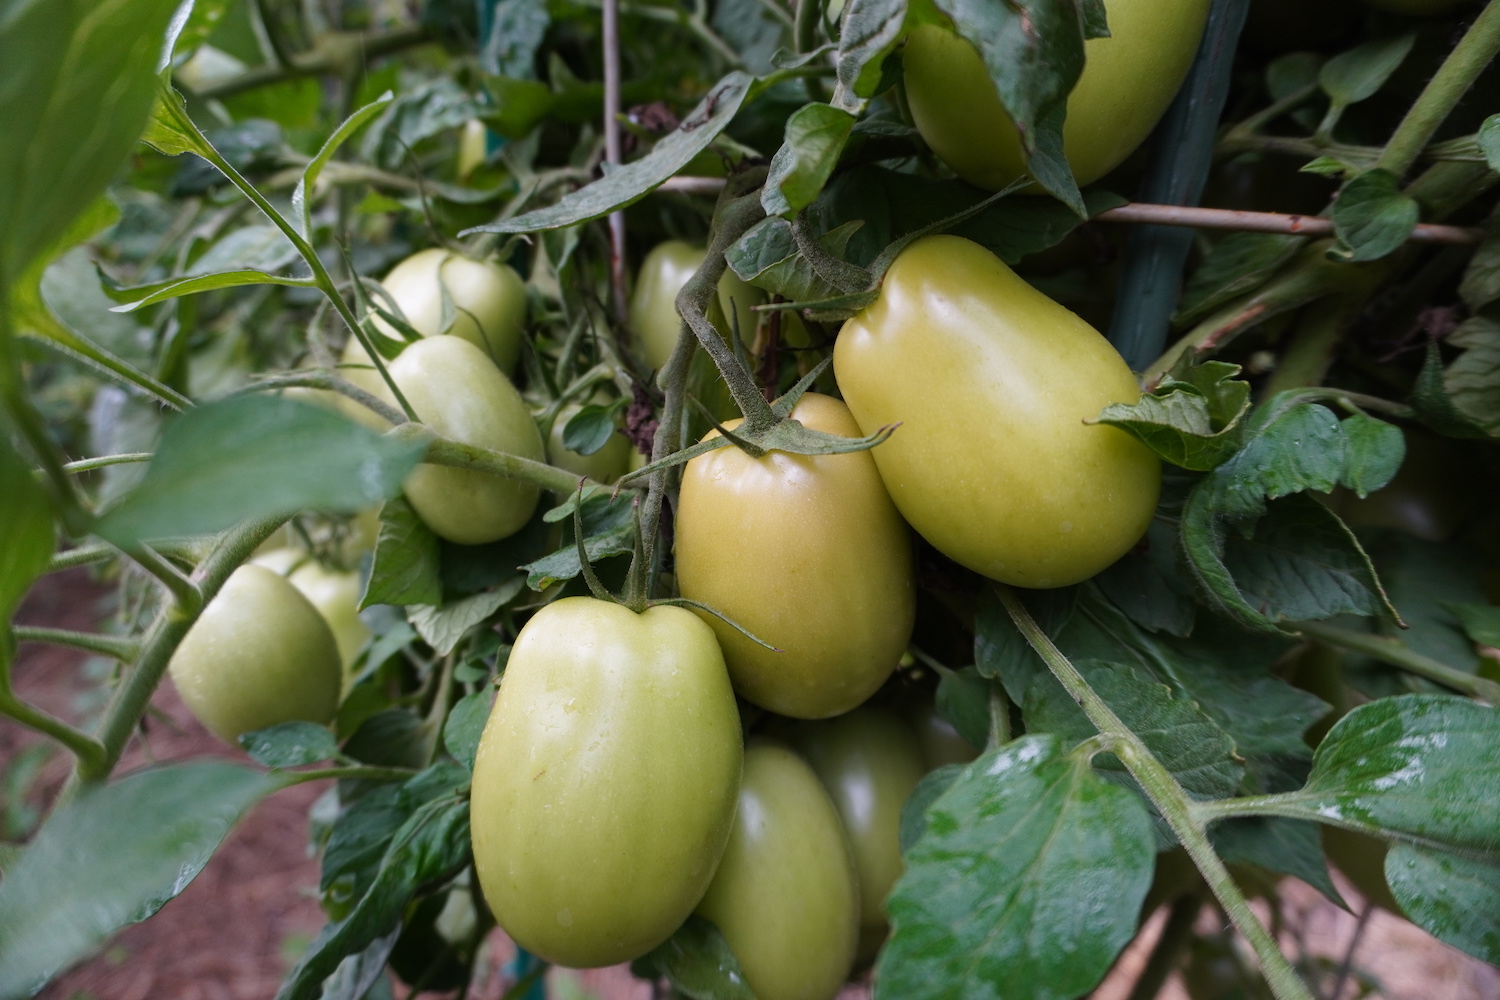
{"points": [[235, 930]]}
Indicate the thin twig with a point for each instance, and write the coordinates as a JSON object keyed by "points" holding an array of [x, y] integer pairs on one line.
{"points": [[1269, 222], [612, 151]]}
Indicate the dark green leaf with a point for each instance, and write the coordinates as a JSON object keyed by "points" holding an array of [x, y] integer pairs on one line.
{"points": [[291, 744], [1481, 282], [868, 33], [632, 182], [27, 539], [171, 288], [1356, 75], [928, 791], [1374, 453], [1426, 579], [1237, 265], [1488, 138], [1146, 585], [518, 105], [466, 724], [1194, 421], [1472, 381], [768, 258], [77, 87], [1095, 19], [392, 737], [113, 856], [697, 961], [517, 28], [1288, 846], [255, 455], [1001, 653], [1481, 622], [815, 136], [405, 569], [963, 698], [1294, 451], [609, 530], [1436, 408], [589, 429], [1451, 897], [1373, 216], [432, 843], [358, 841], [1055, 863], [443, 627]]}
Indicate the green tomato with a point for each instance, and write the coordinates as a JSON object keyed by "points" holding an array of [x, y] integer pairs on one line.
{"points": [[993, 386], [257, 656], [605, 465], [1418, 8], [605, 783], [869, 761], [489, 301], [808, 554], [786, 895], [653, 304], [456, 391], [941, 743], [336, 596], [1128, 81]]}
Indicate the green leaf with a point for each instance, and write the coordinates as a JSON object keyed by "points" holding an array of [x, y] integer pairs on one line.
{"points": [[815, 136], [1472, 381], [433, 843], [963, 698], [1237, 265], [291, 744], [111, 857], [697, 961], [301, 207], [869, 32], [405, 569], [77, 86], [1373, 216], [1193, 420], [250, 456], [27, 539], [1426, 579], [1000, 651], [767, 257], [465, 725], [443, 627], [1434, 405], [169, 129], [1481, 622], [1146, 585], [1423, 765], [628, 184], [1055, 863], [1374, 453], [1356, 75], [517, 28], [140, 296], [1095, 19], [589, 429], [928, 790], [1488, 138], [1451, 897], [518, 105], [1288, 846]]}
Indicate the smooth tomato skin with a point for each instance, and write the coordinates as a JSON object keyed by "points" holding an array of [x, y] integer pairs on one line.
{"points": [[653, 303], [605, 465], [258, 655], [786, 895], [489, 301], [455, 389], [992, 384], [335, 594], [605, 784], [1128, 81], [810, 555], [869, 761], [941, 743]]}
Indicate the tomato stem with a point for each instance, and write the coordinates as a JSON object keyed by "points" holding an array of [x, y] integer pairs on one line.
{"points": [[1398, 654]]}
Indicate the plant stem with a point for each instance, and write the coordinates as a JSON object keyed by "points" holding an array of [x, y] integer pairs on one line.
{"points": [[1268, 222], [89, 464], [353, 771], [326, 380], [1443, 92], [612, 152], [1398, 654], [1168, 797], [88, 750], [83, 555], [1176, 933], [455, 454], [91, 642], [999, 717], [805, 34], [171, 624], [184, 591]]}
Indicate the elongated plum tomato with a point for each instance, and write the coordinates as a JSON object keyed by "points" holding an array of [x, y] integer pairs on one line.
{"points": [[456, 391], [489, 301], [807, 553], [605, 782], [258, 655], [941, 743], [653, 304], [786, 895], [1128, 81], [335, 594], [992, 384], [869, 761]]}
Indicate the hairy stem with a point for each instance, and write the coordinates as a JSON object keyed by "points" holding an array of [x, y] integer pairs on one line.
{"points": [[84, 747], [1398, 654], [458, 455], [1168, 797], [90, 642]]}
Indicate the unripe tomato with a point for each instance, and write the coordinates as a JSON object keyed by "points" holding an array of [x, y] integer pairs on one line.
{"points": [[1128, 81], [786, 896], [1418, 8], [605, 783], [992, 384], [456, 391], [258, 655], [941, 743], [605, 465], [869, 761], [809, 554], [489, 301], [336, 596], [653, 304]]}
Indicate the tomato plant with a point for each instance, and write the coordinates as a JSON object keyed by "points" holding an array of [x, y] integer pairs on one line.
{"points": [[1052, 436]]}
